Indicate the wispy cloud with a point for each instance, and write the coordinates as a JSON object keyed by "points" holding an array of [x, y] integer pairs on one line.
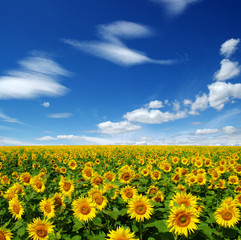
{"points": [[175, 7], [37, 76], [8, 119], [112, 48], [60, 115], [6, 141]]}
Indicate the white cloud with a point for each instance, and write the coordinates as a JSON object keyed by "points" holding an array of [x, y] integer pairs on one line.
{"points": [[36, 77], [176, 106], [200, 104], [117, 127], [45, 138], [60, 115], [112, 48], [227, 71], [143, 115], [175, 7], [187, 102], [206, 131], [6, 118], [229, 129], [229, 47], [155, 104], [46, 104], [221, 92]]}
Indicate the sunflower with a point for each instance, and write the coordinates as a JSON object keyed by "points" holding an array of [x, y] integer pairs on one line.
{"points": [[128, 193], [152, 190], [66, 186], [84, 209], [201, 179], [155, 175], [37, 184], [87, 172], [40, 229], [10, 193], [25, 178], [158, 197], [98, 199], [47, 207], [58, 200], [5, 234], [72, 164], [227, 216], [183, 198], [233, 179], [176, 178], [110, 176], [121, 234], [182, 220], [238, 199], [96, 180], [140, 208], [16, 209], [126, 176]]}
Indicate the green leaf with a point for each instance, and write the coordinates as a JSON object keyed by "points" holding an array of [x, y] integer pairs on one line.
{"points": [[21, 231], [159, 224], [205, 229], [77, 225], [76, 237]]}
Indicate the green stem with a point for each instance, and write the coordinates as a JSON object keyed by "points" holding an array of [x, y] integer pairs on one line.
{"points": [[140, 230]]}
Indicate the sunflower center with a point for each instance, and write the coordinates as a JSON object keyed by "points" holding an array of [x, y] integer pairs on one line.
{"points": [[67, 186], [57, 203], [129, 194], [2, 236], [47, 208], [98, 180], [153, 191], [140, 208], [39, 184], [227, 215], [85, 209], [41, 231], [16, 209], [155, 174], [26, 179], [185, 202], [88, 173], [126, 176], [99, 200], [183, 219]]}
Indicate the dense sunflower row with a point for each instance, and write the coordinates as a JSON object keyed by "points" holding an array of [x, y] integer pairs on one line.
{"points": [[120, 192]]}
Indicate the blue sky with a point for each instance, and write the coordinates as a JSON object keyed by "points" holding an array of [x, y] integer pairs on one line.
{"points": [[120, 72]]}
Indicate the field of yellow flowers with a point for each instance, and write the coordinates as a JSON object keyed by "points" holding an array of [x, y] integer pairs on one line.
{"points": [[120, 192]]}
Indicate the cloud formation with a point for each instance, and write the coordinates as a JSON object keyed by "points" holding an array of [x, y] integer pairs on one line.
{"points": [[46, 104], [206, 131], [229, 47], [227, 71], [144, 115], [221, 93], [111, 46], [155, 104], [37, 76], [117, 127]]}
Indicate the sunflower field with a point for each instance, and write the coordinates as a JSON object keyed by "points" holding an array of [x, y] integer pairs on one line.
{"points": [[120, 192]]}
